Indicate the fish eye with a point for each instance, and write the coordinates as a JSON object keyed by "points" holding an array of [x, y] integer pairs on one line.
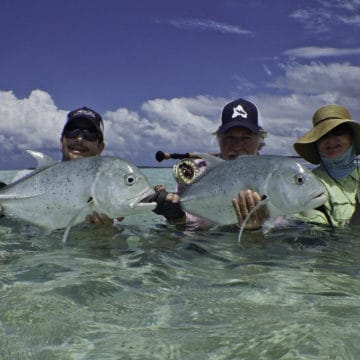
{"points": [[129, 179], [299, 179]]}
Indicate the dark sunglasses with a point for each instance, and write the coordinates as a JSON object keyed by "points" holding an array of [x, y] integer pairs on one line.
{"points": [[89, 135]]}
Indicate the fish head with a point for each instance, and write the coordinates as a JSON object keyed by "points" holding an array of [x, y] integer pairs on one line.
{"points": [[121, 188], [293, 188]]}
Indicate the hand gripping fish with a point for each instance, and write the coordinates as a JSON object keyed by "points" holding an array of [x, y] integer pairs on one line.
{"points": [[61, 195], [287, 187]]}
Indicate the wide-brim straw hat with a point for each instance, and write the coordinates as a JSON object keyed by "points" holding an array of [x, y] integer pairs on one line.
{"points": [[324, 120]]}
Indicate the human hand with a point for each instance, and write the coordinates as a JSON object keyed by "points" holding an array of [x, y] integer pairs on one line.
{"points": [[100, 219], [168, 204], [244, 204]]}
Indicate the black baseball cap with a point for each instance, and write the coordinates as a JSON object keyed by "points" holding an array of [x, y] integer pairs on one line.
{"points": [[240, 113], [88, 114]]}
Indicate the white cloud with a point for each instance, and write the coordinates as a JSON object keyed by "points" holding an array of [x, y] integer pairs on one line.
{"points": [[334, 80], [207, 24], [181, 124], [313, 52], [321, 18], [29, 123]]}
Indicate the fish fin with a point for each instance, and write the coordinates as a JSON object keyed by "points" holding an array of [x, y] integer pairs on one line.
{"points": [[18, 197], [73, 220], [42, 159], [67, 230], [260, 203]]}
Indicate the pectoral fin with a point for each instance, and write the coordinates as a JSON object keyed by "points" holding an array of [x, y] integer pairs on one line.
{"points": [[260, 203], [74, 218]]}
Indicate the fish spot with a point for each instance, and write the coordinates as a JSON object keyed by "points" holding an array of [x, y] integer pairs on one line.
{"points": [[90, 199]]}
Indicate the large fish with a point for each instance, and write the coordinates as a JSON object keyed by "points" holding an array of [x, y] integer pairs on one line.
{"points": [[63, 194], [287, 185]]}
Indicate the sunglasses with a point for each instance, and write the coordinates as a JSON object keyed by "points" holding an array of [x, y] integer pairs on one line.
{"points": [[88, 135]]}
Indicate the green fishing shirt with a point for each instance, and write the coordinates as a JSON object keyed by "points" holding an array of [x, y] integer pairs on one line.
{"points": [[341, 199]]}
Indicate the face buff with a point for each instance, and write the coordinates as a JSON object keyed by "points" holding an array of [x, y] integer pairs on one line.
{"points": [[341, 166]]}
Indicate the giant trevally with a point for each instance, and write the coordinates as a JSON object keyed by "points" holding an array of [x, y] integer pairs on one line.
{"points": [[287, 186], [63, 194]]}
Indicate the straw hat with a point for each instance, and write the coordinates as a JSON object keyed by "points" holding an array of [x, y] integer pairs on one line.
{"points": [[324, 120]]}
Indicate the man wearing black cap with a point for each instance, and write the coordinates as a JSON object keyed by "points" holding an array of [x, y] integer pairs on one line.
{"points": [[240, 133], [83, 134]]}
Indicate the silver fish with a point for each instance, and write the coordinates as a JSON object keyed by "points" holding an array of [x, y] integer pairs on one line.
{"points": [[288, 186], [63, 194]]}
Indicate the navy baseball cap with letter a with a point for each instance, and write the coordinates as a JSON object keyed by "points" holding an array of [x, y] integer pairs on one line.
{"points": [[240, 113]]}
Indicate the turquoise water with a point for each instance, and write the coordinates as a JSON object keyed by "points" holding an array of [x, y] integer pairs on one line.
{"points": [[144, 290]]}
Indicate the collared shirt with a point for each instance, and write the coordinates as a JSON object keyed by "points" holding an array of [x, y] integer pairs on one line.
{"points": [[341, 199]]}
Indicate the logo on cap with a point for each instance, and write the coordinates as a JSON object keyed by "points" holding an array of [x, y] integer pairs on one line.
{"points": [[85, 112], [239, 111]]}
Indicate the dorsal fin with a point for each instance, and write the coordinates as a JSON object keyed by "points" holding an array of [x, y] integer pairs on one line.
{"points": [[41, 159]]}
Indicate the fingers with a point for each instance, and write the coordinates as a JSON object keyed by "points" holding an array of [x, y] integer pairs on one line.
{"points": [[98, 219], [244, 204], [174, 198], [159, 187], [240, 207]]}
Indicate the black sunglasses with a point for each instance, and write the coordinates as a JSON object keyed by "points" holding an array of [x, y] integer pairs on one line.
{"points": [[89, 135]]}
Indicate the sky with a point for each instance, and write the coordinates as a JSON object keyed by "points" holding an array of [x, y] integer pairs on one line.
{"points": [[160, 71]]}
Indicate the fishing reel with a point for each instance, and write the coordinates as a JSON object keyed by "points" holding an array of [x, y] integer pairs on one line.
{"points": [[185, 171]]}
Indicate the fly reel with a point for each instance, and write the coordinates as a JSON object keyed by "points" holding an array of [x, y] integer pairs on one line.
{"points": [[185, 171]]}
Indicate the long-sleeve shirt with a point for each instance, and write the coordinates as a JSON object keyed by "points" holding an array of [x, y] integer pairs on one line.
{"points": [[341, 199]]}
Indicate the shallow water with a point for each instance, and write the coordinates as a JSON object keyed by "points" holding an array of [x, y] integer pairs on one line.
{"points": [[143, 290]]}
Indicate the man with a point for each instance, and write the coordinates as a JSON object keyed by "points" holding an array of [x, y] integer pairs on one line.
{"points": [[240, 133], [83, 136]]}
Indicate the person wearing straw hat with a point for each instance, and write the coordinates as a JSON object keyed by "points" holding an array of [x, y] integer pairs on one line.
{"points": [[333, 143]]}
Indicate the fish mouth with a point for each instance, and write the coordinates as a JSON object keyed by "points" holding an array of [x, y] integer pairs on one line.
{"points": [[142, 200], [319, 198]]}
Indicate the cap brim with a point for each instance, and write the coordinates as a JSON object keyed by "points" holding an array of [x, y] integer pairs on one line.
{"points": [[236, 123], [91, 120]]}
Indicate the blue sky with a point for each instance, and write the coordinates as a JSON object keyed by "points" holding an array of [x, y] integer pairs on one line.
{"points": [[160, 71]]}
